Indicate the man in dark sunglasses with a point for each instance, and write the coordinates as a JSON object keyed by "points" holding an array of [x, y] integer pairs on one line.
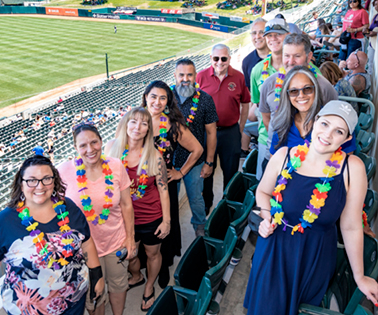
{"points": [[227, 88], [296, 52], [357, 75]]}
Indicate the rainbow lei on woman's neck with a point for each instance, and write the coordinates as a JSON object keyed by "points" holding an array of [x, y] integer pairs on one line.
{"points": [[319, 193], [162, 133], [86, 200], [264, 72], [195, 100], [143, 178], [281, 78], [38, 236]]}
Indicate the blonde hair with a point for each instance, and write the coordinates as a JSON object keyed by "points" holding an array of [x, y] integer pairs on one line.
{"points": [[121, 139]]}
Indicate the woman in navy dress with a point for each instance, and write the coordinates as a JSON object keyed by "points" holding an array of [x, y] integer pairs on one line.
{"points": [[313, 186]]}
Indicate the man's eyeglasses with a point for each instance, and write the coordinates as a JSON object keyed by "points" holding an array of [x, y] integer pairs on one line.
{"points": [[307, 90], [216, 59], [355, 53], [35, 182], [254, 33]]}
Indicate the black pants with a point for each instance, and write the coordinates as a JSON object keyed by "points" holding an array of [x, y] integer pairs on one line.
{"points": [[228, 149]]}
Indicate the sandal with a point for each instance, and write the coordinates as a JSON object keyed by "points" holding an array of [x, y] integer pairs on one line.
{"points": [[146, 299], [137, 284]]}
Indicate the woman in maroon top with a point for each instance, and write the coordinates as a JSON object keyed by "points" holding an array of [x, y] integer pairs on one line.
{"points": [[134, 145]]}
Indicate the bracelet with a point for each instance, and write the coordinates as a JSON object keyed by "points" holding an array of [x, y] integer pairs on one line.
{"points": [[181, 173]]}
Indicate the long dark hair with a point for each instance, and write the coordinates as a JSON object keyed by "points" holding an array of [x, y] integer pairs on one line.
{"points": [[16, 193], [284, 117], [175, 116]]}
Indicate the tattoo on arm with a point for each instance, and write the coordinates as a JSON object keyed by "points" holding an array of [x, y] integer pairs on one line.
{"points": [[163, 178], [359, 83]]}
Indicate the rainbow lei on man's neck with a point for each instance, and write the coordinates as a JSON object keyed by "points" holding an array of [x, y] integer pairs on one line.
{"points": [[281, 78], [86, 200], [162, 133], [264, 72], [195, 100], [38, 236], [319, 193], [143, 178]]}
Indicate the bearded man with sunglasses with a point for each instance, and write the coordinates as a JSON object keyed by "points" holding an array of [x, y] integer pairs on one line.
{"points": [[296, 52], [229, 92]]}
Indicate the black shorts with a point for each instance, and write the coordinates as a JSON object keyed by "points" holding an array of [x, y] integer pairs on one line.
{"points": [[145, 233]]}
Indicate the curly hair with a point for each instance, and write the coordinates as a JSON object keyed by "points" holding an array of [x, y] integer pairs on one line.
{"points": [[16, 192], [175, 116]]}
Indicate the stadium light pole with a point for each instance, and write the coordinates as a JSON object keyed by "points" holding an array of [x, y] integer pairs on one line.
{"points": [[107, 67]]}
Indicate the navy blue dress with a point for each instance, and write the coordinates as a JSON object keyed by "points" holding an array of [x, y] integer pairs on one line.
{"points": [[288, 270]]}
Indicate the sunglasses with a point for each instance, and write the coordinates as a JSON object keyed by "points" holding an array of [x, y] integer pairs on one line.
{"points": [[355, 53], [353, 1], [307, 90], [82, 124], [274, 27], [224, 59]]}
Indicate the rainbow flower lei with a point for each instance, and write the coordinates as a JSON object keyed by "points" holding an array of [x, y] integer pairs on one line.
{"points": [[143, 178], [194, 107], [319, 193], [162, 134], [281, 78], [264, 72], [86, 200], [38, 236]]}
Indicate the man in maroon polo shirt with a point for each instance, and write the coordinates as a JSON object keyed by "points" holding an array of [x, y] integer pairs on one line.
{"points": [[228, 90]]}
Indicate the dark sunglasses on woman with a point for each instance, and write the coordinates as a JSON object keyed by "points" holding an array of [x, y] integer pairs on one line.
{"points": [[307, 90]]}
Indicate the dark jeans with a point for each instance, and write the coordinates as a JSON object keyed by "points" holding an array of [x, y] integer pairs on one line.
{"points": [[228, 149], [352, 46]]}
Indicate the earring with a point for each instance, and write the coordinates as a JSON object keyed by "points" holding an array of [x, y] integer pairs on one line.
{"points": [[22, 197], [166, 110], [53, 193]]}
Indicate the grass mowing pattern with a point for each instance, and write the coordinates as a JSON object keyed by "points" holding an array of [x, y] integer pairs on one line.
{"points": [[38, 54]]}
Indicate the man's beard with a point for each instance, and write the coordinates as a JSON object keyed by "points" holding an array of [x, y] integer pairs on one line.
{"points": [[185, 90]]}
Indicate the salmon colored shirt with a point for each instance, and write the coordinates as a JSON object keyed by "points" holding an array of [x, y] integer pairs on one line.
{"points": [[109, 236]]}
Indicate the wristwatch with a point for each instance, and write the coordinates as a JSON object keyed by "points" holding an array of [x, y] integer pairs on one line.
{"points": [[211, 164]]}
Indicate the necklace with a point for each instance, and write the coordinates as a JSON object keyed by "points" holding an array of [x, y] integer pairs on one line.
{"points": [[38, 236], [319, 193], [264, 72], [193, 109], [281, 78], [162, 133], [86, 200], [143, 178]]}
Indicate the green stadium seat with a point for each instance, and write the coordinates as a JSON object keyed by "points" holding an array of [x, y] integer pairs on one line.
{"points": [[364, 141], [371, 204], [250, 163], [238, 186], [342, 288], [370, 164], [365, 122], [207, 258]]}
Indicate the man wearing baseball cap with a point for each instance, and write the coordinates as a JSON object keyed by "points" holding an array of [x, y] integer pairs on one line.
{"points": [[275, 32]]}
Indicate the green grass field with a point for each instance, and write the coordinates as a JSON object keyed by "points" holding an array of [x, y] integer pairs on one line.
{"points": [[38, 54]]}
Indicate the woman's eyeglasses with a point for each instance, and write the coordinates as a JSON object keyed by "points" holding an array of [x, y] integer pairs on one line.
{"points": [[307, 90], [216, 59], [35, 182]]}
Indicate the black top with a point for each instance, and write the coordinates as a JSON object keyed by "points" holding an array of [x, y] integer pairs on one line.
{"points": [[205, 114], [248, 63]]}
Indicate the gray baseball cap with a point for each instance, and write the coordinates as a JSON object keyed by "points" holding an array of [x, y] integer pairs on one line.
{"points": [[276, 26], [343, 110]]}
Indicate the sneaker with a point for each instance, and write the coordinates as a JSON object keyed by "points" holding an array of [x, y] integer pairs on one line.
{"points": [[244, 154]]}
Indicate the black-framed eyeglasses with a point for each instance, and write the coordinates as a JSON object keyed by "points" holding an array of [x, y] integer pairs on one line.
{"points": [[34, 182], [307, 90], [356, 54], [216, 59]]}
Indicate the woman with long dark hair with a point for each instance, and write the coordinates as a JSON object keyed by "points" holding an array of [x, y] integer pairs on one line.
{"points": [[46, 243], [169, 130]]}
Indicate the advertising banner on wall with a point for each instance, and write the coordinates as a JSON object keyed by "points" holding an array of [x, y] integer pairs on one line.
{"points": [[213, 27], [171, 11], [211, 15], [239, 19], [151, 18], [62, 11], [105, 16], [125, 10]]}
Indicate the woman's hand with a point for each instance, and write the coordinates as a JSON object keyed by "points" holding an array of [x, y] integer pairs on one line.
{"points": [[369, 287], [99, 287], [163, 229], [266, 228], [173, 175], [129, 243]]}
